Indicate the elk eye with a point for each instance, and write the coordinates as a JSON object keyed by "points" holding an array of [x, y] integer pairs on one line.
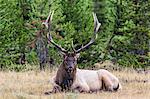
{"points": [[74, 62]]}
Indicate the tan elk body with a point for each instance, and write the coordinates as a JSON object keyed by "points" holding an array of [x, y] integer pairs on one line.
{"points": [[70, 77], [91, 81]]}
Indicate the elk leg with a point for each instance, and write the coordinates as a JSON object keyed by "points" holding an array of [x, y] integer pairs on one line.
{"points": [[107, 83], [56, 89], [83, 88]]}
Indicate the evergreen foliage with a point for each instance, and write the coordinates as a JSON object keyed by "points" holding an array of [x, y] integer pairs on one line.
{"points": [[124, 36]]}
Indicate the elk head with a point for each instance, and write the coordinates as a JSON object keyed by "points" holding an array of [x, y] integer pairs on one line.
{"points": [[70, 58]]}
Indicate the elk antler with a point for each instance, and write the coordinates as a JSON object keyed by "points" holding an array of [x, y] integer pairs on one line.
{"points": [[96, 28], [47, 24]]}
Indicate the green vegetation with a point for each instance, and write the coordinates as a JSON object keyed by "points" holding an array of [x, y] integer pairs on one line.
{"points": [[124, 36]]}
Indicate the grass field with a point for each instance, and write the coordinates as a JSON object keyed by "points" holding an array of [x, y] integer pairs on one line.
{"points": [[33, 84]]}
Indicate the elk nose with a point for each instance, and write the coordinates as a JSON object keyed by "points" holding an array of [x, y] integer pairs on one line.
{"points": [[70, 69]]}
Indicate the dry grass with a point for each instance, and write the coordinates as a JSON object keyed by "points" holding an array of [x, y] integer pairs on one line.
{"points": [[32, 85]]}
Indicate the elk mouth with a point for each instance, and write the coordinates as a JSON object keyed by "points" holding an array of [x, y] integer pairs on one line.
{"points": [[69, 70]]}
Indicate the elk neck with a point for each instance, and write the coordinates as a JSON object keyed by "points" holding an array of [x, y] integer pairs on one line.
{"points": [[68, 75], [65, 79]]}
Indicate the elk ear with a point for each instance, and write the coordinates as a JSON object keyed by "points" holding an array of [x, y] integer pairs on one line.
{"points": [[64, 55], [77, 55]]}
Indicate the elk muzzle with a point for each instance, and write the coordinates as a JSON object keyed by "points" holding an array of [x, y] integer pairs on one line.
{"points": [[70, 69]]}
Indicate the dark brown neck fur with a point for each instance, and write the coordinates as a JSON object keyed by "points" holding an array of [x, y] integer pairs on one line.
{"points": [[65, 79]]}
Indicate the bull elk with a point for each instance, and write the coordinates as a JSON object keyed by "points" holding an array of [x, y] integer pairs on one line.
{"points": [[69, 77]]}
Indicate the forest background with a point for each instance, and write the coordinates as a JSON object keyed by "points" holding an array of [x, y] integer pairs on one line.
{"points": [[123, 38]]}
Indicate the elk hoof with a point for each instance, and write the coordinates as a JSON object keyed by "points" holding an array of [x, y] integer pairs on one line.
{"points": [[48, 93]]}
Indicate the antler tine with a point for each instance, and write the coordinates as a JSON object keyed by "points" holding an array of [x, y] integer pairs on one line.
{"points": [[96, 28], [96, 23], [48, 20], [47, 24], [56, 45], [72, 46]]}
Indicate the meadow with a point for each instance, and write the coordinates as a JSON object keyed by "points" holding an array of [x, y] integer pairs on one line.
{"points": [[33, 84]]}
